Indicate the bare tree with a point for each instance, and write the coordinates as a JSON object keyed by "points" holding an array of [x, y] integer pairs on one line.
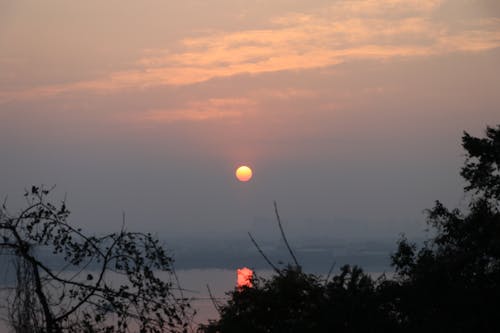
{"points": [[118, 282]]}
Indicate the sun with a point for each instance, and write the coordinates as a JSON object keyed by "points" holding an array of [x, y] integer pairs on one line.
{"points": [[244, 173]]}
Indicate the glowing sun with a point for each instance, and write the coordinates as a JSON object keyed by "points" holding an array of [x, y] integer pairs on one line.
{"points": [[244, 173]]}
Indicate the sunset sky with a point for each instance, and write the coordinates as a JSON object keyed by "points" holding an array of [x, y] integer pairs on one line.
{"points": [[350, 113]]}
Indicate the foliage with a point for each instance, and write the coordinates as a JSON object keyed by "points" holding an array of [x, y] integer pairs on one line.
{"points": [[482, 167], [108, 283], [293, 301], [453, 282]]}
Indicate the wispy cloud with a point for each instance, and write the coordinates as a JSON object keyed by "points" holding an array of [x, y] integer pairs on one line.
{"points": [[214, 108], [345, 31]]}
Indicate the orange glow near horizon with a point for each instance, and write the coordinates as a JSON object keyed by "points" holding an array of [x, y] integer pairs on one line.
{"points": [[245, 276], [244, 173]]}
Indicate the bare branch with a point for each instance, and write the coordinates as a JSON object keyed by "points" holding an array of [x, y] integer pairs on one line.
{"points": [[284, 236], [214, 302], [264, 255], [330, 271]]}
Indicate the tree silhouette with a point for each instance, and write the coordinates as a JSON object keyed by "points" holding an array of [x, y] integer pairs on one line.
{"points": [[294, 301], [482, 167], [118, 282], [452, 283]]}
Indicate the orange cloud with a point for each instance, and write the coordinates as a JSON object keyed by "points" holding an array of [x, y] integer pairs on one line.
{"points": [[347, 30], [214, 108]]}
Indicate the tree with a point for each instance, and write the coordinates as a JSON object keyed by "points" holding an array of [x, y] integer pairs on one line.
{"points": [[113, 283], [482, 166], [452, 283]]}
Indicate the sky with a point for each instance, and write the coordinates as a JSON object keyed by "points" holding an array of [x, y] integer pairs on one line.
{"points": [[350, 113]]}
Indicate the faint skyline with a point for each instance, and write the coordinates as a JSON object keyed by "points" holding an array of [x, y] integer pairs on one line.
{"points": [[350, 113]]}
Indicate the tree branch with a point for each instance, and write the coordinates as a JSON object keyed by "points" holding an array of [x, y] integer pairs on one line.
{"points": [[284, 236], [263, 254]]}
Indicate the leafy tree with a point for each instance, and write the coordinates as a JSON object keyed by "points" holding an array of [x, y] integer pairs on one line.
{"points": [[482, 167], [118, 282], [452, 283]]}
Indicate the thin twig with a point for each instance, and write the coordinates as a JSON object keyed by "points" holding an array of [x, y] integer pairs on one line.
{"points": [[284, 236], [329, 273], [263, 254], [214, 302]]}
